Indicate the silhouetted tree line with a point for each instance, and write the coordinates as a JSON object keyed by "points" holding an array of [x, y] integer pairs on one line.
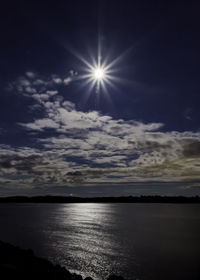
{"points": [[121, 199]]}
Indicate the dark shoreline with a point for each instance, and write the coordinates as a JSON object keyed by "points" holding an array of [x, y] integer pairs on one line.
{"points": [[17, 263], [121, 199]]}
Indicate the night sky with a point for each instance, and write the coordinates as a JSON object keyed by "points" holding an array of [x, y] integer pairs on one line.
{"points": [[136, 133]]}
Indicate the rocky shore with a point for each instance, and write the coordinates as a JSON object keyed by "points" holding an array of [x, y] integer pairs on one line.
{"points": [[17, 263]]}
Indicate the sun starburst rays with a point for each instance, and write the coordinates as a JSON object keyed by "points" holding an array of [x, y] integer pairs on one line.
{"points": [[99, 74]]}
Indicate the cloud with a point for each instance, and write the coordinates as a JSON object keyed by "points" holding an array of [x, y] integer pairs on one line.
{"points": [[88, 148], [67, 80], [32, 84], [56, 79], [188, 114], [191, 149], [71, 77], [30, 74], [41, 124]]}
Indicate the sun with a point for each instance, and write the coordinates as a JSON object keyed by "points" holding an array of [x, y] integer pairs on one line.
{"points": [[99, 74]]}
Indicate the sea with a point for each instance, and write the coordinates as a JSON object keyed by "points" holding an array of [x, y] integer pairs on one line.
{"points": [[143, 241]]}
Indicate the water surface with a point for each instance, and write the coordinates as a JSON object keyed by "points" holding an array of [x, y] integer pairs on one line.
{"points": [[138, 241]]}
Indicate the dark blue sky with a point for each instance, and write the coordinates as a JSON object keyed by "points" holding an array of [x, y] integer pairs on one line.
{"points": [[57, 134]]}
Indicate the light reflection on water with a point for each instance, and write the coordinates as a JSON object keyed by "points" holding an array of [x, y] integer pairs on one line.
{"points": [[88, 232], [137, 241]]}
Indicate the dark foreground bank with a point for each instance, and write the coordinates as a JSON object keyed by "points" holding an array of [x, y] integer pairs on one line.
{"points": [[17, 263]]}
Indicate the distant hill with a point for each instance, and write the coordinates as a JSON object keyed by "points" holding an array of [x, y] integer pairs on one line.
{"points": [[121, 199]]}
